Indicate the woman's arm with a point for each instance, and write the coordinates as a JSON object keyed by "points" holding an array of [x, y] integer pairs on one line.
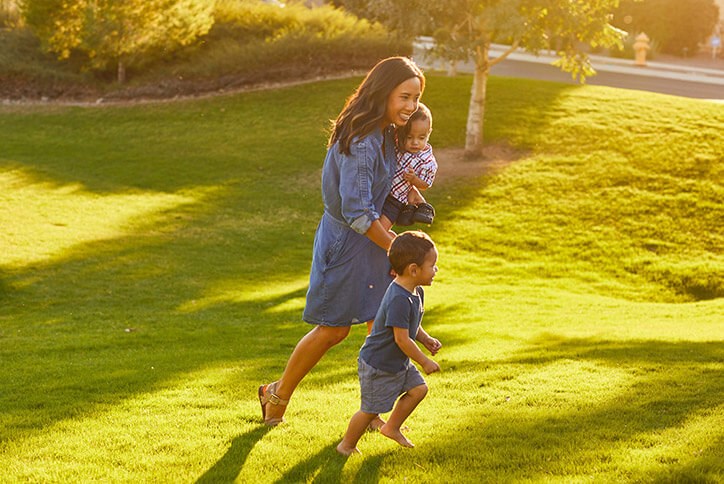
{"points": [[358, 179], [377, 234]]}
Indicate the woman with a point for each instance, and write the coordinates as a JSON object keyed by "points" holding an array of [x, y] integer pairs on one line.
{"points": [[350, 269]]}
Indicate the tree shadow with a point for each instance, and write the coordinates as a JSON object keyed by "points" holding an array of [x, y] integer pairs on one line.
{"points": [[152, 147], [672, 383], [229, 466], [550, 347], [113, 318], [324, 466], [369, 471]]}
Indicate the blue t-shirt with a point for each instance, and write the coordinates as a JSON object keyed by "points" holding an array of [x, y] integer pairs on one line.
{"points": [[402, 309]]}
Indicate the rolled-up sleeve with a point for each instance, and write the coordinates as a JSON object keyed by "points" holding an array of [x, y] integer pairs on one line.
{"points": [[355, 187]]}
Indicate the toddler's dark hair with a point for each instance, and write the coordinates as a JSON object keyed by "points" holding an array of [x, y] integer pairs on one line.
{"points": [[423, 113], [409, 247]]}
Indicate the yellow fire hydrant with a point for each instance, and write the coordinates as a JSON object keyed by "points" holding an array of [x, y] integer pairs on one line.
{"points": [[641, 47]]}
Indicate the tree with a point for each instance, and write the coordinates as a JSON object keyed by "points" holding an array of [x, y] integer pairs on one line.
{"points": [[116, 31], [405, 18], [676, 26], [465, 30]]}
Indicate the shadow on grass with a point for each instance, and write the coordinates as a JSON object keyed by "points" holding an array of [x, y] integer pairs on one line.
{"points": [[550, 347], [671, 385], [119, 317], [229, 466], [324, 466]]}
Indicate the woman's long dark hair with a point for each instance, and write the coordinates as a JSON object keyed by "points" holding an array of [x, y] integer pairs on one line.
{"points": [[366, 108]]}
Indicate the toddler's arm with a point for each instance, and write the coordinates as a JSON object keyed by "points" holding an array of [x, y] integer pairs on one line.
{"points": [[410, 348], [415, 197], [433, 345], [415, 180]]}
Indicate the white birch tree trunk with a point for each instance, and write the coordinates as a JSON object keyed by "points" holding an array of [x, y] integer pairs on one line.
{"points": [[452, 68], [476, 110]]}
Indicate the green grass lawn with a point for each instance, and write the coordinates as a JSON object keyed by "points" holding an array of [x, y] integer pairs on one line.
{"points": [[154, 260]]}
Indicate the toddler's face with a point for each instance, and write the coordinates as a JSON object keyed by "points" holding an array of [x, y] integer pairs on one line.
{"points": [[428, 269], [417, 137]]}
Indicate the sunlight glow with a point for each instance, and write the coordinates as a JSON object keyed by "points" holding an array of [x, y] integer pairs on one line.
{"points": [[274, 297], [41, 221]]}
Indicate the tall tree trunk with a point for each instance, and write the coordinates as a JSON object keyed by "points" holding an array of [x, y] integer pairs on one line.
{"points": [[452, 68], [476, 110], [121, 72]]}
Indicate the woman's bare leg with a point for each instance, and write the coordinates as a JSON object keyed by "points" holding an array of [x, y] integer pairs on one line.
{"points": [[305, 356]]}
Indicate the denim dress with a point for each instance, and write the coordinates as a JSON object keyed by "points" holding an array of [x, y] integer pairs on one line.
{"points": [[350, 273]]}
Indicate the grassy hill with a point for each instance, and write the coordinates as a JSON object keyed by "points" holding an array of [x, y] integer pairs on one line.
{"points": [[154, 260]]}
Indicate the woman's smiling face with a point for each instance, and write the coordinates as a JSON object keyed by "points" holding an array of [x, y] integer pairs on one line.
{"points": [[402, 102]]}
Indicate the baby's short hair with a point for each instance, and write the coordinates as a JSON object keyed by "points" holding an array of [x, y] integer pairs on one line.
{"points": [[409, 247]]}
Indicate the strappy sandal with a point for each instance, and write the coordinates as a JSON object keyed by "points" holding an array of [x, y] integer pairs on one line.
{"points": [[267, 395]]}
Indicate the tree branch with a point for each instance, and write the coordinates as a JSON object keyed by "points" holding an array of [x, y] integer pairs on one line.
{"points": [[505, 54]]}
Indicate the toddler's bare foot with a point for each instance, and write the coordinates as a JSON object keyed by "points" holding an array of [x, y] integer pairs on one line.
{"points": [[396, 435], [344, 450], [375, 424]]}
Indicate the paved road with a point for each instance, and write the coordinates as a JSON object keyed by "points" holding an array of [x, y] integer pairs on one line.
{"points": [[677, 79], [676, 87]]}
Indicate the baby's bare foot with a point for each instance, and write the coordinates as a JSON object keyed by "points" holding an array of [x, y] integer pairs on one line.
{"points": [[395, 435], [344, 450]]}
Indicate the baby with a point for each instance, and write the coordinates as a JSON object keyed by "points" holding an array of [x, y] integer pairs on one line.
{"points": [[416, 166]]}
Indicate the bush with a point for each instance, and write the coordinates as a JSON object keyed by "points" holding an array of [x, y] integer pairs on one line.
{"points": [[26, 71], [253, 41], [250, 42]]}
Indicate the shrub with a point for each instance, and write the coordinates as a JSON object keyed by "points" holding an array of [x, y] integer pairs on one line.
{"points": [[249, 42], [252, 41], [26, 71]]}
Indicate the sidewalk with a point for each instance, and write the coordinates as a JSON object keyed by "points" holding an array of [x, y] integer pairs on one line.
{"points": [[694, 69]]}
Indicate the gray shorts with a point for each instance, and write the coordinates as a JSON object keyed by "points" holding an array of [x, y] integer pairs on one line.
{"points": [[381, 389]]}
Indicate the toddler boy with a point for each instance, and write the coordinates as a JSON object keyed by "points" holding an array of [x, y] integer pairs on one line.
{"points": [[384, 367]]}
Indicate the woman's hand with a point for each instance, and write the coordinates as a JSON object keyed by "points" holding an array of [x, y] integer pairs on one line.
{"points": [[380, 236]]}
